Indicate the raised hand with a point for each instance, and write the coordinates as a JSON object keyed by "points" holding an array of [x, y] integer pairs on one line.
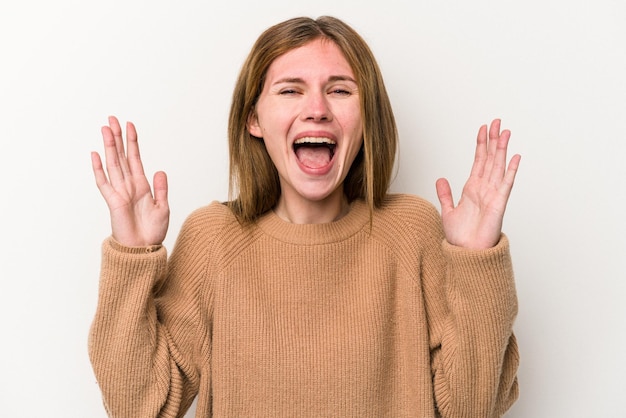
{"points": [[138, 216], [476, 222]]}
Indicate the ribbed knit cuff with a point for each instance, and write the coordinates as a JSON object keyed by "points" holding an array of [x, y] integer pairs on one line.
{"points": [[131, 250], [123, 267], [483, 277]]}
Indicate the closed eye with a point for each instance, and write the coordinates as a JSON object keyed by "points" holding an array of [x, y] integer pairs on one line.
{"points": [[340, 92]]}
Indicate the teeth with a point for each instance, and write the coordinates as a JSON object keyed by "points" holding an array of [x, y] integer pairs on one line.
{"points": [[314, 140]]}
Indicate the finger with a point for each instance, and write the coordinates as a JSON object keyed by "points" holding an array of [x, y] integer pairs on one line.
{"points": [[494, 129], [113, 165], [444, 193], [480, 155], [98, 171], [492, 145], [499, 160], [509, 177], [133, 156], [101, 179], [160, 188], [116, 129], [494, 135]]}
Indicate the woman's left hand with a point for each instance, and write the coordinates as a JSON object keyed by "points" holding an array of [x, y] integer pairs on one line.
{"points": [[476, 222]]}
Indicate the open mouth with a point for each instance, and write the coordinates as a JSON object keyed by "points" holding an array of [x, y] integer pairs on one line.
{"points": [[314, 152]]}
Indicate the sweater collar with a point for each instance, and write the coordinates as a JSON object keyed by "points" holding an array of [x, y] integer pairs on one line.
{"points": [[314, 234]]}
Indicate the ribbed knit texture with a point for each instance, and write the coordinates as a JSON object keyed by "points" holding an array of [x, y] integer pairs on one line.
{"points": [[345, 319]]}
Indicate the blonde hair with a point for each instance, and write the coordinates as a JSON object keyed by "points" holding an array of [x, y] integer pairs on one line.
{"points": [[254, 182]]}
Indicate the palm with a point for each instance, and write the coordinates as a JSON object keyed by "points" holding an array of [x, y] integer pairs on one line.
{"points": [[476, 222], [138, 217]]}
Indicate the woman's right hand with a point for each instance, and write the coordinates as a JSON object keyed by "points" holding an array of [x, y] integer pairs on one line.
{"points": [[139, 217]]}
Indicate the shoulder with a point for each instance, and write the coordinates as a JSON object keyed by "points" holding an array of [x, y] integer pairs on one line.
{"points": [[209, 218], [409, 210], [408, 220], [214, 231], [208, 224], [214, 214]]}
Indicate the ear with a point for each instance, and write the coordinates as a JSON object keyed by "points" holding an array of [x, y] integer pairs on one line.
{"points": [[253, 125]]}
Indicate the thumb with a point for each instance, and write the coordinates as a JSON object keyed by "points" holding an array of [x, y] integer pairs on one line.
{"points": [[444, 193], [160, 187]]}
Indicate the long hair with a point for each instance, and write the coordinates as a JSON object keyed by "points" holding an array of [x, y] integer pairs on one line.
{"points": [[254, 181]]}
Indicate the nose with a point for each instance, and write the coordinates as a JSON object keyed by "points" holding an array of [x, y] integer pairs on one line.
{"points": [[316, 108]]}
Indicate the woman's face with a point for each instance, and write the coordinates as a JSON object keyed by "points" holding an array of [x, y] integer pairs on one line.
{"points": [[309, 117]]}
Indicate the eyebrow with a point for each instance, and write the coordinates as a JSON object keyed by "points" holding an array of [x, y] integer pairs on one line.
{"points": [[299, 80]]}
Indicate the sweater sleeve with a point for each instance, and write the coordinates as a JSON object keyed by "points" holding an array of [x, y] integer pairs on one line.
{"points": [[473, 349], [142, 367]]}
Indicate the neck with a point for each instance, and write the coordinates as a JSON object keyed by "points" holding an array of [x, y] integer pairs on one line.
{"points": [[299, 211]]}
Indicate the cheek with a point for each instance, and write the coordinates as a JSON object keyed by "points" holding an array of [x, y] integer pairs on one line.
{"points": [[356, 135], [357, 139], [355, 150], [351, 121], [356, 123], [275, 122]]}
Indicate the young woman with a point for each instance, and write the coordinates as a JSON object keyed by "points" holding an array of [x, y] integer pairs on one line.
{"points": [[312, 292]]}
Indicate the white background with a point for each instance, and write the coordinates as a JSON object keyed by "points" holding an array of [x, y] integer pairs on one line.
{"points": [[553, 70]]}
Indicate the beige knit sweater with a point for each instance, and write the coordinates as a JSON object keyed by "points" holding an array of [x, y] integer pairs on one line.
{"points": [[345, 319]]}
